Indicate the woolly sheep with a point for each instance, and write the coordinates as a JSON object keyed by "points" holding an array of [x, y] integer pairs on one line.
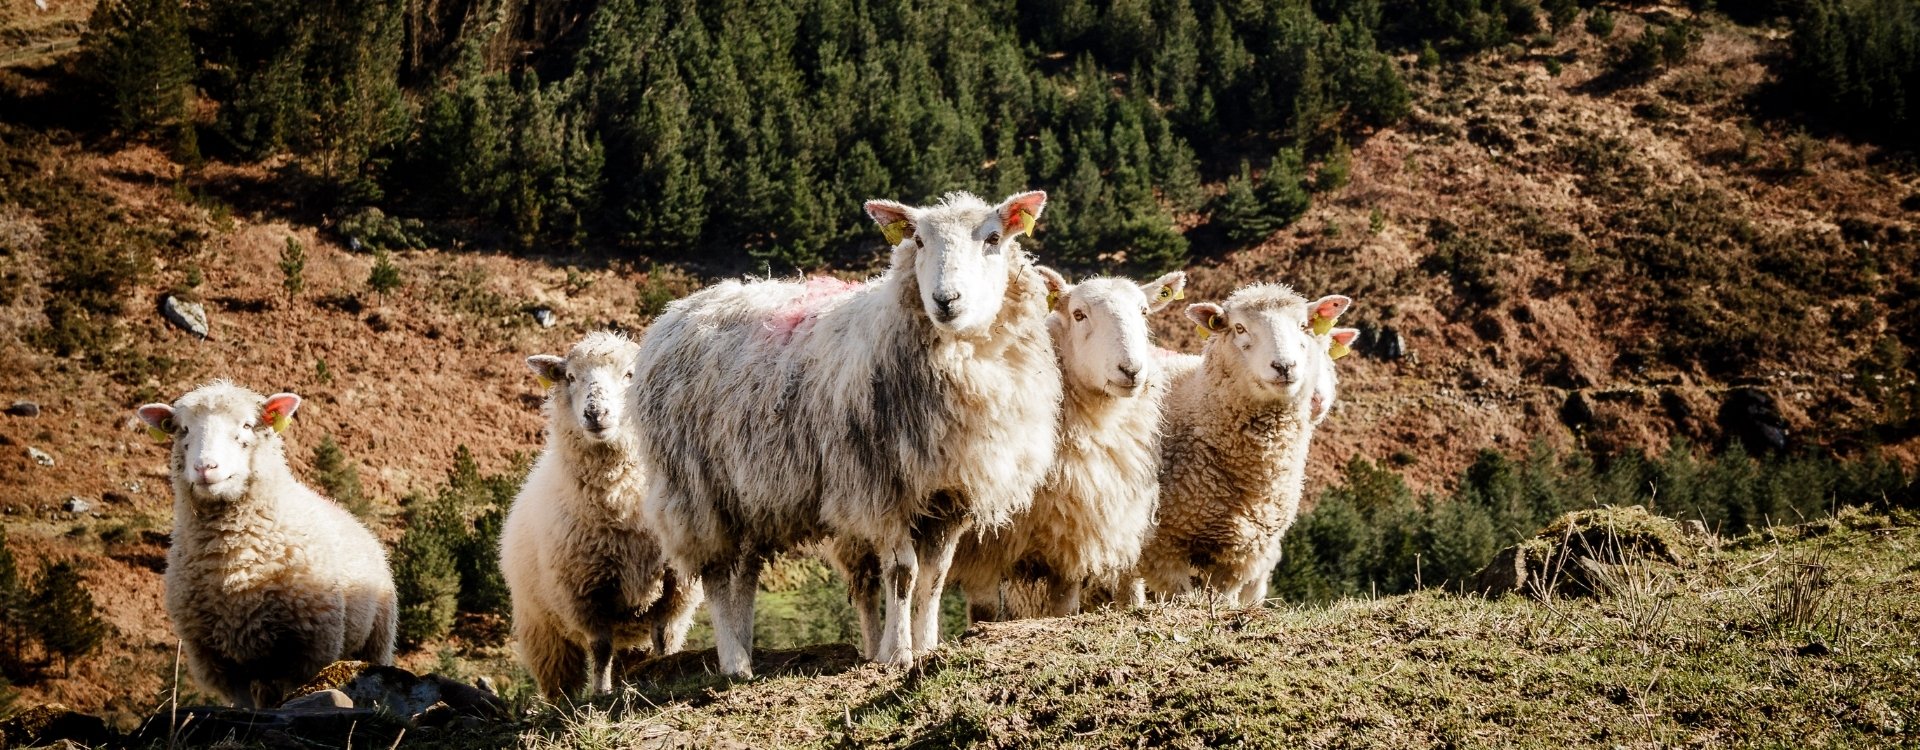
{"points": [[1096, 506], [267, 582], [587, 576], [889, 416], [1235, 432]]}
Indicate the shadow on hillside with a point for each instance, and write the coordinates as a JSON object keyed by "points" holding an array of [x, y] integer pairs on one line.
{"points": [[694, 676]]}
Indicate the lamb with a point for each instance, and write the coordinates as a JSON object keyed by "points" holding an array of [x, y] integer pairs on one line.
{"points": [[1235, 432], [888, 416], [586, 575], [1093, 512], [267, 582]]}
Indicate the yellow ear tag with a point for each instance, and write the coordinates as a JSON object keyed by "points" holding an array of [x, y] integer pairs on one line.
{"points": [[1321, 325], [158, 435], [1026, 221], [1053, 299], [545, 382], [894, 231], [1204, 333], [1338, 350], [280, 422], [1179, 294]]}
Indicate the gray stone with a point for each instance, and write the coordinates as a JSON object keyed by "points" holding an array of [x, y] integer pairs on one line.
{"points": [[544, 316], [39, 456], [24, 409], [187, 316], [322, 699], [485, 683], [1392, 345], [76, 504]]}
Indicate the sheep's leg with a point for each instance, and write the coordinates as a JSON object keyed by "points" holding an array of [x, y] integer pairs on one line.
{"points": [[935, 557], [1063, 596], [682, 600], [899, 567], [1136, 592], [600, 660], [557, 663], [983, 606], [379, 646], [861, 566], [730, 589]]}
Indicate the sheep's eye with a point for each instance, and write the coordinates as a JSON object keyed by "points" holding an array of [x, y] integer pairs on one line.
{"points": [[1080, 315], [629, 374], [569, 377], [993, 239], [1240, 329], [917, 242]]}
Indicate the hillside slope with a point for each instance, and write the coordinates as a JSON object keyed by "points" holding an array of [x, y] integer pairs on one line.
{"points": [[1648, 244]]}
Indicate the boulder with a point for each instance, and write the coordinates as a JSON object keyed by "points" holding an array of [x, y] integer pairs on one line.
{"points": [[1750, 416], [54, 723], [187, 316], [1577, 554], [544, 316], [76, 504], [328, 698], [39, 456], [403, 693], [23, 409]]}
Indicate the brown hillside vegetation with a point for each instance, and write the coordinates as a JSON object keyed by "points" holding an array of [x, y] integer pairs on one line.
{"points": [[1649, 245]]}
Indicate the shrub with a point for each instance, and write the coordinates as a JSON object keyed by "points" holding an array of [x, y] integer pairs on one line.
{"points": [[426, 575], [385, 276], [293, 266], [13, 610], [1336, 170], [63, 615], [1600, 23], [448, 558], [340, 478]]}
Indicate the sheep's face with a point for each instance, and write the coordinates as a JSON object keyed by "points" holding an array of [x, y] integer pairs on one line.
{"points": [[960, 253], [1271, 332], [216, 431], [589, 385], [1099, 329]]}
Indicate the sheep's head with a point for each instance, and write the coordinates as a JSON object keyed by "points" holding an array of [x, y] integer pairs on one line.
{"points": [[218, 431], [1275, 335], [589, 385], [1099, 328], [960, 251]]}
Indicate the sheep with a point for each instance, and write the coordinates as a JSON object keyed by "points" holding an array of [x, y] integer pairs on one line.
{"points": [[267, 582], [585, 573], [888, 416], [1237, 423], [1093, 512]]}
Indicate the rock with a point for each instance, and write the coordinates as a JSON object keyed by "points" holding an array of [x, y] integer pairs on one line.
{"points": [[39, 456], [283, 727], [1579, 553], [51, 724], [403, 693], [485, 683], [76, 504], [1391, 344], [187, 316], [1750, 416], [24, 409], [329, 698], [544, 316]]}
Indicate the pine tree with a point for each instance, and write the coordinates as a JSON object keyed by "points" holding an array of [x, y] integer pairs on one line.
{"points": [[426, 574], [293, 265], [137, 52], [1283, 189], [13, 606], [63, 614], [1336, 169], [1239, 212], [339, 478], [385, 276]]}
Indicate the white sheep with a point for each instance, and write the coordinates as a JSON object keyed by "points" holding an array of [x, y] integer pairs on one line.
{"points": [[1096, 506], [889, 416], [587, 576], [267, 582], [1235, 430]]}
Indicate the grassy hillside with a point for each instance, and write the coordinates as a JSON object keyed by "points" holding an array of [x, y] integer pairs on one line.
{"points": [[1804, 635]]}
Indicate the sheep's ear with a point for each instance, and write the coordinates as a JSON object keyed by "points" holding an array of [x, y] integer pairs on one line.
{"points": [[1342, 342], [895, 220], [279, 410], [547, 368], [159, 421], [1208, 316], [1057, 285], [1322, 312], [1019, 213], [1164, 290]]}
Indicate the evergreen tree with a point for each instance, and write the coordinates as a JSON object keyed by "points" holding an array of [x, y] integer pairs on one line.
{"points": [[1239, 212], [339, 478], [426, 575], [385, 276], [1336, 169], [63, 615], [136, 52], [13, 606], [293, 265], [1283, 189]]}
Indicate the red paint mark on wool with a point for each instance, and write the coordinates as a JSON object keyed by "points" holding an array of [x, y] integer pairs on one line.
{"points": [[800, 311], [1161, 352]]}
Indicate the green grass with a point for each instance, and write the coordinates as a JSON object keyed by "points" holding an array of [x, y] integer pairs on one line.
{"points": [[1803, 636]]}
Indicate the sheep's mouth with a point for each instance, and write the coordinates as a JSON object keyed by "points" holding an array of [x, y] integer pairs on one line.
{"points": [[1124, 389]]}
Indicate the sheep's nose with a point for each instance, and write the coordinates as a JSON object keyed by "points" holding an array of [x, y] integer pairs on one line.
{"points": [[594, 418], [1284, 368], [943, 301], [206, 470], [1130, 372]]}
